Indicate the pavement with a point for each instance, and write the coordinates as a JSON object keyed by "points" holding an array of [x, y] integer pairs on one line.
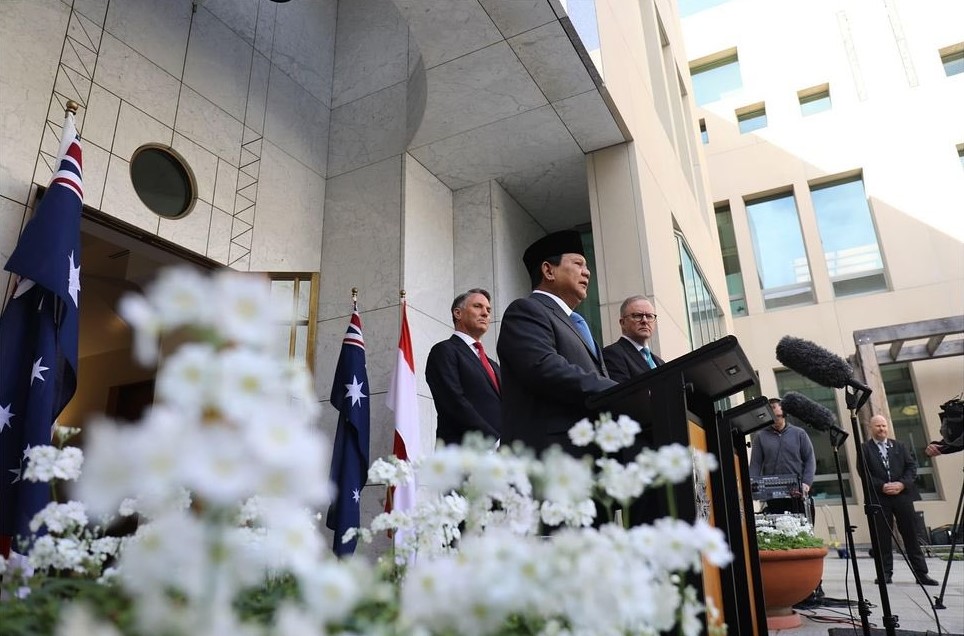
{"points": [[911, 603]]}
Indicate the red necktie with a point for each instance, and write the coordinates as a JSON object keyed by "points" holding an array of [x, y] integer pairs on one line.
{"points": [[485, 365]]}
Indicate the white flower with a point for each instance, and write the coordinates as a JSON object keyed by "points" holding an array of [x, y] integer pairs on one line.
{"points": [[217, 467], [181, 296], [331, 590], [247, 382], [185, 381], [291, 620], [246, 314], [292, 540], [41, 461], [68, 464], [610, 437], [146, 325], [581, 433], [674, 463], [109, 474], [567, 480], [59, 517]]}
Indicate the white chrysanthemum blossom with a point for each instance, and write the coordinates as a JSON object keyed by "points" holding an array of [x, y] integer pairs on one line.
{"points": [[674, 463], [181, 296], [582, 433], [621, 482], [146, 325], [186, 380], [59, 518], [245, 311], [442, 471], [40, 463], [107, 479], [245, 382], [610, 437], [566, 479]]}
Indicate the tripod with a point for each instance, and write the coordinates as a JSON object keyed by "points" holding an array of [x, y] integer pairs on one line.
{"points": [[856, 397], [837, 438], [955, 530]]}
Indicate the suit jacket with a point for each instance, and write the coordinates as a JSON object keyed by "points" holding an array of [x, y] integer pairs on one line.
{"points": [[624, 361], [465, 397], [549, 373], [903, 468]]}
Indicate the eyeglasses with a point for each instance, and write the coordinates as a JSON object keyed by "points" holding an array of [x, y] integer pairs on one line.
{"points": [[641, 317]]}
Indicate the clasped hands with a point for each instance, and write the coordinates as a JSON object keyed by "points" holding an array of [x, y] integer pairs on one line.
{"points": [[893, 488]]}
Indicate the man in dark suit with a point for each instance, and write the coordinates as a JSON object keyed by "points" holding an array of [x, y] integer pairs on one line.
{"points": [[891, 470], [630, 355], [550, 362], [465, 382]]}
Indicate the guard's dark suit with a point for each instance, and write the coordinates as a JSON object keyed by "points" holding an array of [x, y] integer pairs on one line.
{"points": [[548, 373], [465, 397], [624, 361], [903, 468]]}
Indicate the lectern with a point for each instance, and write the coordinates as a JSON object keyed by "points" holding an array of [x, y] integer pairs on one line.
{"points": [[678, 403]]}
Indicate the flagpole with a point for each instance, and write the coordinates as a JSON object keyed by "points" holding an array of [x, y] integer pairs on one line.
{"points": [[354, 299], [71, 107]]}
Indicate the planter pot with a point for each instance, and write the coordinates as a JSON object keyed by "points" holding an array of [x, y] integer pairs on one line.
{"points": [[789, 576]]}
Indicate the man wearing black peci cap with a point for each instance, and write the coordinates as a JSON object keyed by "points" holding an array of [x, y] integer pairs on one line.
{"points": [[550, 362]]}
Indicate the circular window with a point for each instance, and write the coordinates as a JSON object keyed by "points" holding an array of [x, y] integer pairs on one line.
{"points": [[163, 181]]}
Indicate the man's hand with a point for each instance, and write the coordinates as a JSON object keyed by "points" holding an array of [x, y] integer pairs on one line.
{"points": [[932, 450], [893, 488], [806, 489]]}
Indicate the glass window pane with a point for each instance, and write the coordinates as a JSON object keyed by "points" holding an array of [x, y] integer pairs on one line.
{"points": [[755, 120], [825, 486], [704, 317], [953, 63], [704, 136], [780, 254], [848, 237], [815, 103], [712, 81], [731, 261], [304, 296], [906, 423]]}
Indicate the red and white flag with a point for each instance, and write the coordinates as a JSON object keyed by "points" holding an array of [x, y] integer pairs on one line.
{"points": [[403, 403]]}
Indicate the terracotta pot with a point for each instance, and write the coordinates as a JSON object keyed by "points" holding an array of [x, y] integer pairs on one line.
{"points": [[789, 576]]}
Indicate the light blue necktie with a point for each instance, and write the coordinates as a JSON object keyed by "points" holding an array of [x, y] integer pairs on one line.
{"points": [[583, 330], [648, 357]]}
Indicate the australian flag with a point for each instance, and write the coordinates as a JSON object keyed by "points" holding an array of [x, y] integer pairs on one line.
{"points": [[349, 463], [38, 335]]}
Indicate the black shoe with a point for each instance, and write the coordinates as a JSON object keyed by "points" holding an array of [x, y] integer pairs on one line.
{"points": [[886, 580], [923, 579]]}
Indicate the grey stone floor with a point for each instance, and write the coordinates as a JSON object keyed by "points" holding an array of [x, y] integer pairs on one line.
{"points": [[908, 601]]}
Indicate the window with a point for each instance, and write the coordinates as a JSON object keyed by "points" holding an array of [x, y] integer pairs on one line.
{"points": [[703, 313], [814, 100], [716, 77], [731, 261], [952, 57], [163, 181], [848, 237], [689, 7], [906, 423], [704, 136], [960, 154], [825, 486], [296, 336], [752, 118], [781, 258]]}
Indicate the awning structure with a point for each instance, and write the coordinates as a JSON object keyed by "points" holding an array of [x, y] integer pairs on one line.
{"points": [[908, 342], [506, 91]]}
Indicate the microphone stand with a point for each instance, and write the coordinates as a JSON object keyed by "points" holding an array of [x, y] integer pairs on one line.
{"points": [[837, 438], [955, 529], [856, 397]]}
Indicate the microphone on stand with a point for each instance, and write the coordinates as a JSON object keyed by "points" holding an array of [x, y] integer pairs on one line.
{"points": [[806, 410], [822, 366]]}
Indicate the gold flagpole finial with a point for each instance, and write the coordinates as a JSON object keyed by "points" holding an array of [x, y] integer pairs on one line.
{"points": [[401, 294], [354, 294], [71, 107]]}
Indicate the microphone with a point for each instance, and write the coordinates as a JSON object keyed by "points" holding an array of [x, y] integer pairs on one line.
{"points": [[803, 408], [823, 367]]}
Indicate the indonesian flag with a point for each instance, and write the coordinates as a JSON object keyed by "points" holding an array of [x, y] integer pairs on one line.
{"points": [[403, 402]]}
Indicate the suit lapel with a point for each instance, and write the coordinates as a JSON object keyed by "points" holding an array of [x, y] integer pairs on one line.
{"points": [[474, 362], [561, 315], [638, 361]]}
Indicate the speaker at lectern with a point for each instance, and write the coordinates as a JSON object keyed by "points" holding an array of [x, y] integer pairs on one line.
{"points": [[678, 403]]}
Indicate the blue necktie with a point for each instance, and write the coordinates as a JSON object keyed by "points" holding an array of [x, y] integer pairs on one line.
{"points": [[584, 332], [648, 357]]}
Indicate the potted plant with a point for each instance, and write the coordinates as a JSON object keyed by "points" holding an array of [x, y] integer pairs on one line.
{"points": [[791, 565]]}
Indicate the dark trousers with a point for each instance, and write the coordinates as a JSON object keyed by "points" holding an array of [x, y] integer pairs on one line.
{"points": [[902, 509]]}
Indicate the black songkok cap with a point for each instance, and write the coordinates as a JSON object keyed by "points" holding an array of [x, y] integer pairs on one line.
{"points": [[555, 244]]}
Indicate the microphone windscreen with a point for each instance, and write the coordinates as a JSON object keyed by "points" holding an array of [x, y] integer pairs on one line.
{"points": [[814, 362], [806, 410]]}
